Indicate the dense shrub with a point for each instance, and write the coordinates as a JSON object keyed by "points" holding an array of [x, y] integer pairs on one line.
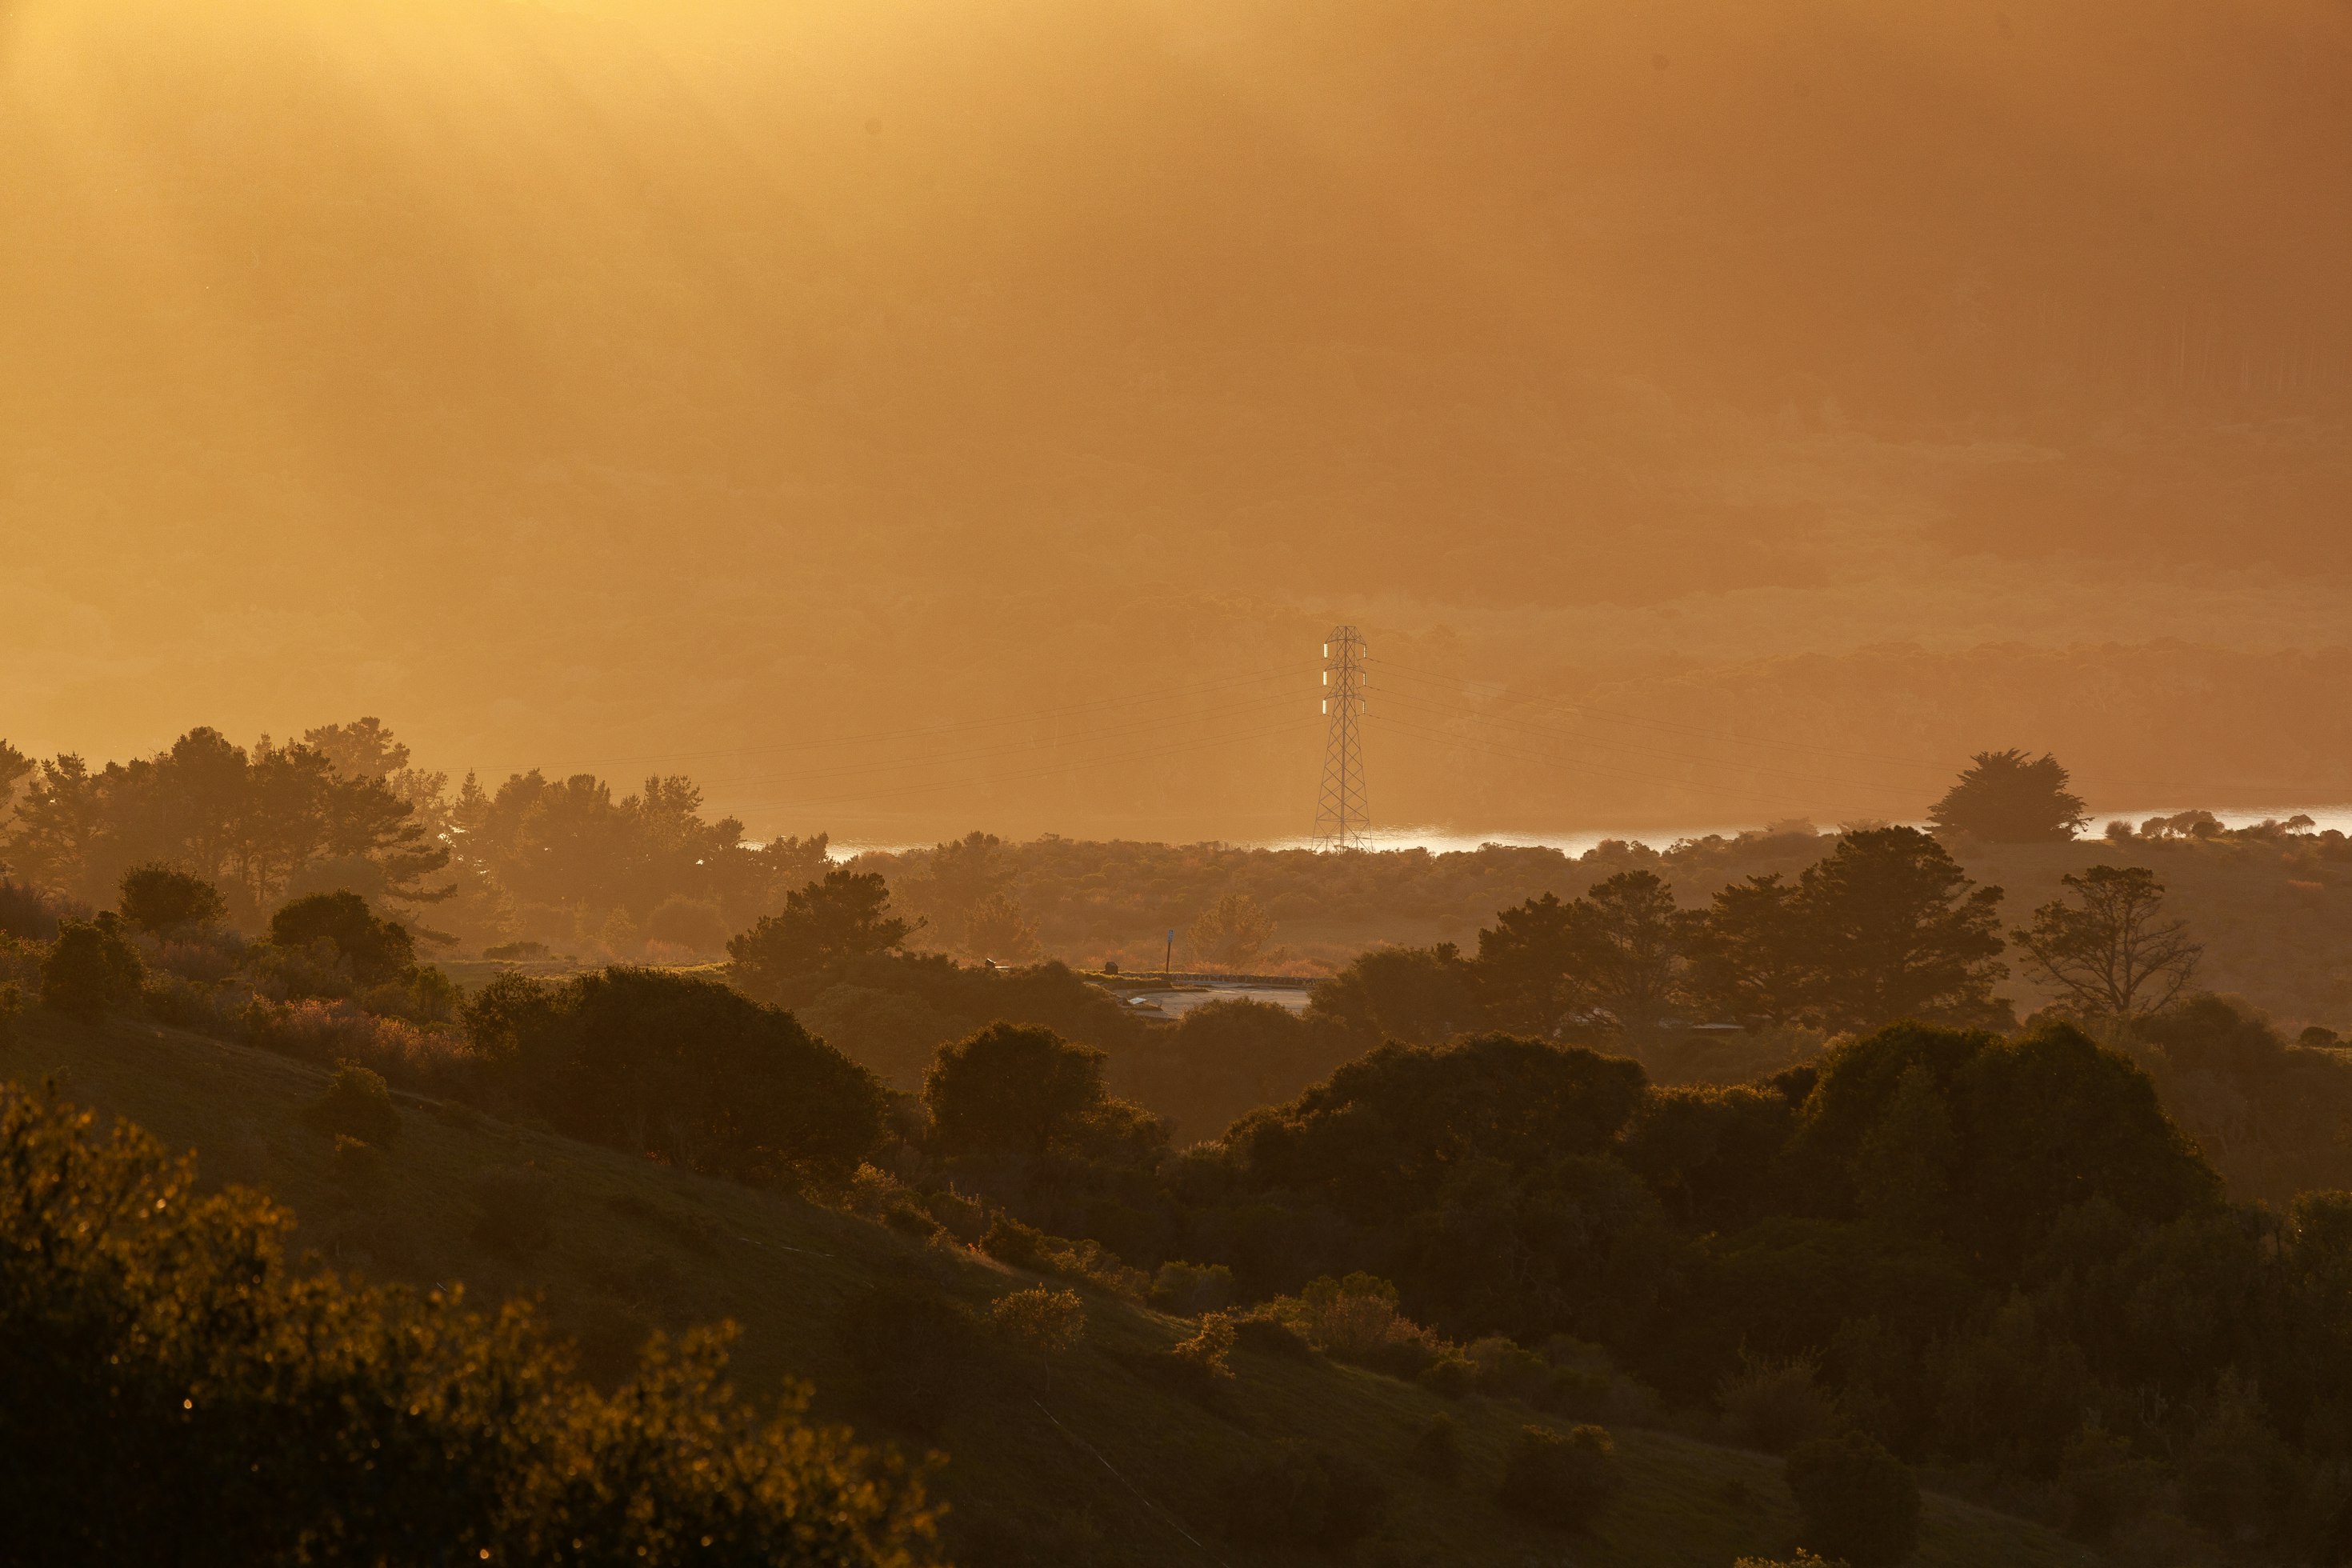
{"points": [[160, 900], [1560, 1480], [1856, 1500], [1187, 1288], [677, 1067], [1040, 1320], [375, 950], [430, 1060], [169, 1392], [1198, 1366], [1269, 1335], [91, 970], [357, 1104], [28, 914], [1777, 1404], [1318, 1501], [1356, 1320], [1011, 1092]]}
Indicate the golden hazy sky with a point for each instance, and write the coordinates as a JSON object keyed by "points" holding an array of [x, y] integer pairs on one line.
{"points": [[906, 418]]}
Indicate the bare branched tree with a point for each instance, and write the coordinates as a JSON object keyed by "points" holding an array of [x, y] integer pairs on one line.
{"points": [[2110, 950]]}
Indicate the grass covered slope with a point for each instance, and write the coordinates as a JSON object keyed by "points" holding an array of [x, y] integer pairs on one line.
{"points": [[1088, 1461]]}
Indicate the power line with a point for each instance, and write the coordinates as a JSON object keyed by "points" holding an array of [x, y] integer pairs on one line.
{"points": [[929, 731]]}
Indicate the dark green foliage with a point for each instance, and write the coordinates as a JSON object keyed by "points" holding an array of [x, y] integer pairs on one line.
{"points": [[1010, 1092], [689, 924], [160, 900], [1750, 960], [1316, 1500], [1985, 1142], [1895, 930], [1272, 1336], [169, 1392], [1223, 1060], [2236, 1478], [376, 950], [2005, 798], [1776, 1406], [842, 917], [1419, 995], [1713, 1155], [1562, 1479], [675, 1066], [1522, 959], [1197, 1366], [28, 914], [2104, 1483], [914, 1352], [1855, 1500], [91, 970], [1187, 1288], [250, 821], [357, 1104], [1628, 947], [1389, 1127]]}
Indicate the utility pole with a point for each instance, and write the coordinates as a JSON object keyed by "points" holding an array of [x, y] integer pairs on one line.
{"points": [[1341, 820]]}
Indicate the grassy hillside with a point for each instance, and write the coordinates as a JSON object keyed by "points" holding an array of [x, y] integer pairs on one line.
{"points": [[1093, 1463]]}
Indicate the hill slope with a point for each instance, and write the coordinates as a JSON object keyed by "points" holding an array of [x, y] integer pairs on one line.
{"points": [[1095, 1464]]}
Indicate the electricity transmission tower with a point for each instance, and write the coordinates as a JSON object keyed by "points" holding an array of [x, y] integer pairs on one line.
{"points": [[1340, 821]]}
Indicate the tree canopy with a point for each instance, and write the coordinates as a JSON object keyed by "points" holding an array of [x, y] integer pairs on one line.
{"points": [[2007, 797], [841, 918]]}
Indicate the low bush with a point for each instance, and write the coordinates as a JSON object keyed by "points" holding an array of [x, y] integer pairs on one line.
{"points": [[1272, 1336], [322, 1031], [1576, 1394], [1316, 1500], [1560, 1480], [1855, 1500], [1451, 1376], [965, 1218], [1198, 1366], [1506, 1370], [1040, 1319], [1356, 1320], [1777, 1404], [1187, 1290], [357, 1104], [91, 970], [12, 1003], [1024, 1246]]}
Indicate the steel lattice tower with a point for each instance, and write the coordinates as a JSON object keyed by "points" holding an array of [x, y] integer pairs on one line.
{"points": [[1341, 820]]}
